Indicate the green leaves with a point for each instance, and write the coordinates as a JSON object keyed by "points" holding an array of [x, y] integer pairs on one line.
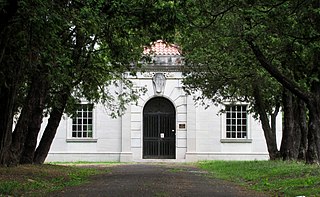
{"points": [[220, 62], [86, 45]]}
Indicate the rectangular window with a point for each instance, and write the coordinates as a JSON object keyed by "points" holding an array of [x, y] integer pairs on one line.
{"points": [[82, 122], [236, 121]]}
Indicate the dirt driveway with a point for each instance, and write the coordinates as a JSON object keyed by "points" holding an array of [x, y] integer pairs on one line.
{"points": [[159, 180]]}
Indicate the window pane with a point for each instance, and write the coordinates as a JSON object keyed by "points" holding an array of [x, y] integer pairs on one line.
{"points": [[228, 121], [238, 135], [74, 134], [244, 135], [233, 128]]}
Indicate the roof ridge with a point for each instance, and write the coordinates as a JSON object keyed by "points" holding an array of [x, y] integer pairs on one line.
{"points": [[161, 47]]}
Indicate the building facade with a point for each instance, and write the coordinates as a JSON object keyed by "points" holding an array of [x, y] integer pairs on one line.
{"points": [[165, 124]]}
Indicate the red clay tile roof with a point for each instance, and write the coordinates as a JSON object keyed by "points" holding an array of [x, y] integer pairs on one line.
{"points": [[161, 48]]}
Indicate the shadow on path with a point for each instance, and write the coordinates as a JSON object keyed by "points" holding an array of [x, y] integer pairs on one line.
{"points": [[159, 180]]}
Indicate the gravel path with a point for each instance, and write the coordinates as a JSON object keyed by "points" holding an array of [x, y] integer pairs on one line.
{"points": [[159, 180]]}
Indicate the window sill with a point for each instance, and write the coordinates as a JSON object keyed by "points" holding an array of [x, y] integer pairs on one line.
{"points": [[85, 140], [236, 140]]}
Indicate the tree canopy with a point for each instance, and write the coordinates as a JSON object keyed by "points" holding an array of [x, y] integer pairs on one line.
{"points": [[234, 47], [55, 52], [52, 53]]}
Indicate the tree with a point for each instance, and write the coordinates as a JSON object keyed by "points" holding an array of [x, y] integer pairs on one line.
{"points": [[301, 46], [12, 69], [271, 35], [223, 79], [78, 48]]}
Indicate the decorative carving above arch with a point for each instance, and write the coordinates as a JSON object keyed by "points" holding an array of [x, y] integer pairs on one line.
{"points": [[159, 82]]}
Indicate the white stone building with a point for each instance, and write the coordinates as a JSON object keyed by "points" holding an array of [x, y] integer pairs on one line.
{"points": [[165, 124]]}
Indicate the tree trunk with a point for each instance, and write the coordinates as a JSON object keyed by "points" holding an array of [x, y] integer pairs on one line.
{"points": [[7, 97], [39, 89], [297, 132], [270, 136], [31, 138], [313, 153], [51, 128], [302, 120], [8, 94], [291, 133], [311, 98], [21, 130]]}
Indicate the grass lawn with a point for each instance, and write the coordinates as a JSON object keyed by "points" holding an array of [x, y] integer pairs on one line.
{"points": [[276, 177], [37, 180]]}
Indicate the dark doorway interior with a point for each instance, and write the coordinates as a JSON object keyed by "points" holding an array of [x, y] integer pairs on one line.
{"points": [[159, 129]]}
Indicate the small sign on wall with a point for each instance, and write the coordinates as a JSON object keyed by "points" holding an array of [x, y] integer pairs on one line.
{"points": [[162, 135], [182, 126]]}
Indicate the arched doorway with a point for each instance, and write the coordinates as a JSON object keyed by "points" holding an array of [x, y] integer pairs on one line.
{"points": [[159, 129]]}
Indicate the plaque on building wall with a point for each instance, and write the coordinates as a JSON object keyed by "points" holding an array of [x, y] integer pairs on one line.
{"points": [[182, 126]]}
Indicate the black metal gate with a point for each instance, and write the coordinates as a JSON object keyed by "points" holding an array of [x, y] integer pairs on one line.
{"points": [[159, 129]]}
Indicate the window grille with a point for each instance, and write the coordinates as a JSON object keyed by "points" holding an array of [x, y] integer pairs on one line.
{"points": [[82, 122], [236, 121]]}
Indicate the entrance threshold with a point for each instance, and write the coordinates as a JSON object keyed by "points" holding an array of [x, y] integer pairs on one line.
{"points": [[160, 160]]}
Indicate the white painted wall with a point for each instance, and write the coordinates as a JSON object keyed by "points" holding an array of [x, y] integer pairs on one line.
{"points": [[121, 139]]}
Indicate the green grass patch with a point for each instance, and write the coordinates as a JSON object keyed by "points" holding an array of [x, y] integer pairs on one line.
{"points": [[276, 177], [38, 180]]}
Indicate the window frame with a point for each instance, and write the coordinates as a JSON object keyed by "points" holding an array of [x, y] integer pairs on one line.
{"points": [[224, 137], [70, 125]]}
